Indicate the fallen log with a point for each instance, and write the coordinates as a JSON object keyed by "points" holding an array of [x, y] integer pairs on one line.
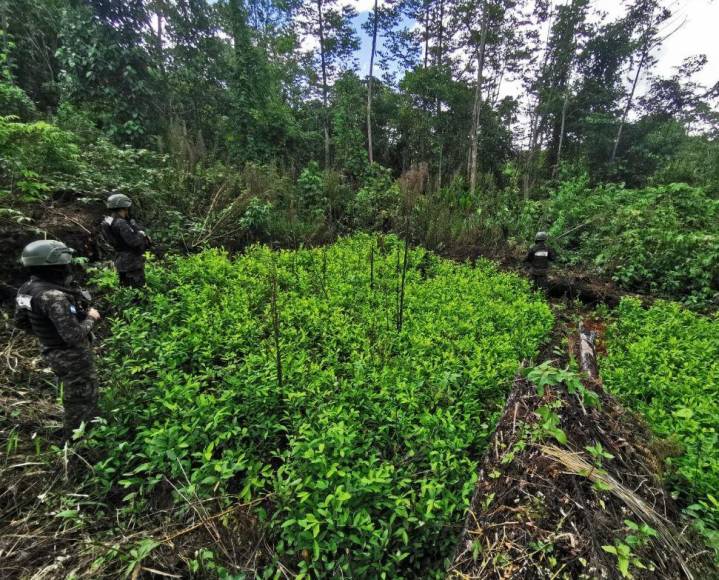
{"points": [[551, 506], [587, 352]]}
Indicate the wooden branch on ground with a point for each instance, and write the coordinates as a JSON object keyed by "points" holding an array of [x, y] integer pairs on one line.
{"points": [[587, 352]]}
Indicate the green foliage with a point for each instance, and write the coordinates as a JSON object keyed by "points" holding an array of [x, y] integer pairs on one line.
{"points": [[310, 187], [638, 536], [662, 239], [14, 101], [31, 154], [598, 453], [546, 374], [377, 202], [349, 118], [368, 443], [549, 425], [663, 362]]}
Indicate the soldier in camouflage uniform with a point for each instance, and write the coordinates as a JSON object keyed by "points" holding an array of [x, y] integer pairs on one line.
{"points": [[47, 308], [538, 257], [128, 240]]}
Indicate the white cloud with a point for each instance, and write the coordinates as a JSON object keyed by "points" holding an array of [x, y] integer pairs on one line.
{"points": [[361, 5]]}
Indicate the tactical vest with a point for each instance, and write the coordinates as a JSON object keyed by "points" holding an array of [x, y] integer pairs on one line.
{"points": [[114, 238], [111, 237], [42, 326], [540, 258]]}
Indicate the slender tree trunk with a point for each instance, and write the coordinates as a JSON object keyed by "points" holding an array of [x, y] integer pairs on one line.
{"points": [[426, 32], [325, 112], [628, 106], [276, 323], [534, 130], [555, 168], [158, 37], [440, 38], [369, 84], [438, 104], [535, 124], [474, 136]]}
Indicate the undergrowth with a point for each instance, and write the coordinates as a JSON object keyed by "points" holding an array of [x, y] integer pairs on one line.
{"points": [[353, 392], [664, 363]]}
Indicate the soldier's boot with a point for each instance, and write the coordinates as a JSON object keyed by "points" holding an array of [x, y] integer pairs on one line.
{"points": [[133, 279], [541, 282], [80, 405]]}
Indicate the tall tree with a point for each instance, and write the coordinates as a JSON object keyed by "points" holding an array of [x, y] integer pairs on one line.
{"points": [[552, 84], [375, 18], [330, 27], [651, 14], [477, 107]]}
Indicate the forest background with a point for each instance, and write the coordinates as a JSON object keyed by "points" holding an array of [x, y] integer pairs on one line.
{"points": [[478, 122]]}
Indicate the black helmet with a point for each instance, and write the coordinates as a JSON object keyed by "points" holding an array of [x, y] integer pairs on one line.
{"points": [[541, 237]]}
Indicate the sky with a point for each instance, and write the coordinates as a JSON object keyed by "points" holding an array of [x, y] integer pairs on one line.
{"points": [[698, 33]]}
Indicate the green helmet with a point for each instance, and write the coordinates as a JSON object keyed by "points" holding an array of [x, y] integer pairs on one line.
{"points": [[541, 237], [46, 253], [118, 201]]}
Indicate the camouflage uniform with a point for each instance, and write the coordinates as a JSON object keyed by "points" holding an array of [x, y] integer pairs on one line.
{"points": [[130, 243], [539, 256], [52, 313]]}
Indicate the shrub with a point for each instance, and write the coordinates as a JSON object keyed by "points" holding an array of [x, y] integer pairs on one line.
{"points": [[14, 101], [377, 201], [662, 239], [368, 442], [32, 154], [664, 363]]}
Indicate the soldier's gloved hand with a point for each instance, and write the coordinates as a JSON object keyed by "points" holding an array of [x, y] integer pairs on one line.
{"points": [[94, 314]]}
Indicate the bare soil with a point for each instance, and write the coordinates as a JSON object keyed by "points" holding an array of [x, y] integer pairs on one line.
{"points": [[545, 509]]}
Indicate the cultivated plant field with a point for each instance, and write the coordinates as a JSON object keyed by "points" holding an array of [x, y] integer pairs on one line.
{"points": [[353, 386], [663, 362]]}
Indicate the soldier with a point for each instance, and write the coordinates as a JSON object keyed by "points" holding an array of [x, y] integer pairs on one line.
{"points": [[128, 240], [47, 308], [538, 257]]}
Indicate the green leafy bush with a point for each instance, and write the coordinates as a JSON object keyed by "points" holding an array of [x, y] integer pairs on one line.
{"points": [[14, 101], [368, 442], [662, 239], [664, 363], [31, 155], [377, 201]]}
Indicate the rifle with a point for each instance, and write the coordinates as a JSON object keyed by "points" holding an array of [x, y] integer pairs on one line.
{"points": [[138, 229]]}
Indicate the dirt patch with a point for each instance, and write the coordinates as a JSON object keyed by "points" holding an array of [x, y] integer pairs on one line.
{"points": [[73, 222], [551, 506]]}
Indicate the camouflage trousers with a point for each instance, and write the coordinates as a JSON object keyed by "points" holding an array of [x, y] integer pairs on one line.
{"points": [[75, 370], [133, 278], [540, 281]]}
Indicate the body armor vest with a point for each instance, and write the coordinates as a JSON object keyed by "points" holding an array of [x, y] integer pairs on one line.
{"points": [[113, 238], [540, 258], [42, 326]]}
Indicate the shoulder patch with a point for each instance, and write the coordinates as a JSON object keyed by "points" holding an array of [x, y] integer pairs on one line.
{"points": [[108, 220], [24, 301]]}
